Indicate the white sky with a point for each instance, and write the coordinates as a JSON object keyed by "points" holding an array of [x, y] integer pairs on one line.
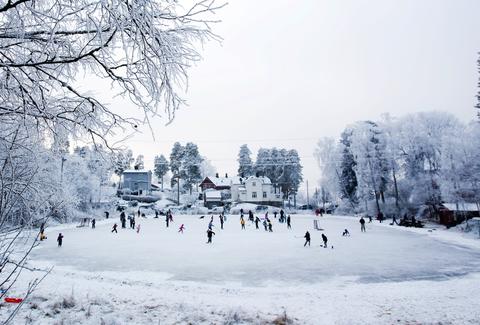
{"points": [[289, 72]]}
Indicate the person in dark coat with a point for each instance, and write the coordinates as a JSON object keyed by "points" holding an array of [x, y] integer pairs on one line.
{"points": [[114, 228], [107, 214], [167, 219], [270, 226], [325, 240], [265, 225], [346, 233], [289, 226], [93, 223], [210, 233], [307, 239], [257, 220], [156, 214], [60, 239], [221, 221], [362, 224], [275, 214], [282, 215]]}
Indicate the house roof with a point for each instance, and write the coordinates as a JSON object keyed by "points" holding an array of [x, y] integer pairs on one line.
{"points": [[223, 181], [263, 179], [132, 171], [461, 206]]}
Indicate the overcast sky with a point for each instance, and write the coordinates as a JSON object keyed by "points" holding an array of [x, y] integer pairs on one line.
{"points": [[290, 72]]}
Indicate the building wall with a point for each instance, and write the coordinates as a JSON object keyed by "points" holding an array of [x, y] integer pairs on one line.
{"points": [[138, 181], [256, 191]]}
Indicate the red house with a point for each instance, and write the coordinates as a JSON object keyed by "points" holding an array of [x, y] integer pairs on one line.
{"points": [[217, 183]]}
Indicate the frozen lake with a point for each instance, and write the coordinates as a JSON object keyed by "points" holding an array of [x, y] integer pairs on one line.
{"points": [[255, 257]]}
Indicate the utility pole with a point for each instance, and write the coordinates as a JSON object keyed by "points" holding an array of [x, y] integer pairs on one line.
{"points": [[308, 200], [178, 190]]}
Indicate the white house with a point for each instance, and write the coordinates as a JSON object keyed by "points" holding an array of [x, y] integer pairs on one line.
{"points": [[257, 190]]}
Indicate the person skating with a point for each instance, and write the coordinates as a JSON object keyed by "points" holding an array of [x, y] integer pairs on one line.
{"points": [[265, 225], [60, 239], [123, 219], [210, 225], [289, 225], [138, 228], [42, 231], [181, 229], [325, 240], [93, 223], [210, 233], [275, 214], [114, 228], [270, 226], [221, 221], [156, 214], [362, 225], [257, 220], [170, 216], [369, 219], [167, 219], [346, 233], [307, 239], [282, 215], [138, 212], [107, 214], [242, 222], [133, 222]]}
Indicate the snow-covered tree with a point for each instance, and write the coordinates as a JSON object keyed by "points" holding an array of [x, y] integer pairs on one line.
{"points": [[191, 166], [176, 158], [139, 163], [123, 160], [245, 163], [160, 167], [348, 178]]}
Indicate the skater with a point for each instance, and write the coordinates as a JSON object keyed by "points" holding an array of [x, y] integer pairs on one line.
{"points": [[362, 225], [143, 215], [257, 220], [380, 217], [345, 233], [93, 223], [270, 226], [210, 233], [167, 219], [170, 215], [250, 216], [307, 239], [60, 239], [221, 221], [275, 214], [181, 229], [265, 225], [42, 231], [289, 226], [369, 219], [123, 220], [138, 212], [325, 240], [138, 228], [133, 222], [107, 214], [394, 221], [210, 225], [156, 214], [114, 228], [242, 222], [282, 216]]}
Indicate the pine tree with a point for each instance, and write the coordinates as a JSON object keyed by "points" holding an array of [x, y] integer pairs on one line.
{"points": [[348, 178], [191, 166], [161, 167], [262, 162], [139, 163], [122, 161], [176, 158], [245, 164]]}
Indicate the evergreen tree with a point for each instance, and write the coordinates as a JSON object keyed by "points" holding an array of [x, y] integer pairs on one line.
{"points": [[262, 162], [122, 161], [139, 163], [160, 167], [191, 166], [347, 178], [245, 164], [176, 158]]}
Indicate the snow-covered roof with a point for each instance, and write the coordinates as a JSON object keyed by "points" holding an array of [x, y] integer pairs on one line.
{"points": [[461, 206], [262, 179], [224, 181], [130, 171]]}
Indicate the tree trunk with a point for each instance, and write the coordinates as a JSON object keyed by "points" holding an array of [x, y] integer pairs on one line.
{"points": [[397, 205], [162, 183]]}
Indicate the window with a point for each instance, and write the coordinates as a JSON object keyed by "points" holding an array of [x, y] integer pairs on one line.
{"points": [[254, 195], [264, 195], [254, 184]]}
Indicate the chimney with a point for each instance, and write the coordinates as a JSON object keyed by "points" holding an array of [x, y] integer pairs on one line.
{"points": [[216, 175], [226, 175]]}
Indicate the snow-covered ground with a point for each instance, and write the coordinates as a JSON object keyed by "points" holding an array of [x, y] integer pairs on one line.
{"points": [[384, 276]]}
